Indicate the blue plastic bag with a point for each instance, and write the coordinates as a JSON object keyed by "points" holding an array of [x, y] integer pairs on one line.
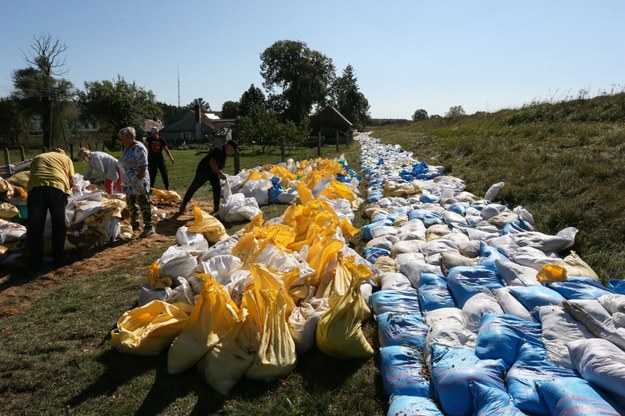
{"points": [[390, 300], [466, 281], [534, 296], [401, 328], [433, 293], [580, 288], [402, 371]]}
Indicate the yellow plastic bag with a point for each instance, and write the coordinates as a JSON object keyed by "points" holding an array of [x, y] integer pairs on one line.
{"points": [[149, 329], [154, 280], [8, 211], [551, 273], [268, 307], [346, 271], [214, 316], [339, 331], [212, 229], [163, 195], [336, 189]]}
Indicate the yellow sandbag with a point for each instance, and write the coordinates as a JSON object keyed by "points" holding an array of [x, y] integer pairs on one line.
{"points": [[164, 195], [154, 279], [346, 271], [551, 273], [336, 189], [20, 192], [268, 309], [212, 229], [214, 316], [283, 173], [150, 328], [320, 254], [20, 179], [386, 264], [575, 266], [6, 188], [8, 211], [339, 331]]}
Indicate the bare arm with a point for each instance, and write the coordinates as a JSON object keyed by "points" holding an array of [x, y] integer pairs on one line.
{"points": [[169, 154]]}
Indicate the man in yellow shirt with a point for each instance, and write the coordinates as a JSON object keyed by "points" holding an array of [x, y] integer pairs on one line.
{"points": [[51, 182]]}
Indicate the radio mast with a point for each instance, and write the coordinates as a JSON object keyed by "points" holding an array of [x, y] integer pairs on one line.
{"points": [[178, 68]]}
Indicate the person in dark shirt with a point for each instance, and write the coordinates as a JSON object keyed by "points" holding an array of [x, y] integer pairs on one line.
{"points": [[210, 170], [156, 161]]}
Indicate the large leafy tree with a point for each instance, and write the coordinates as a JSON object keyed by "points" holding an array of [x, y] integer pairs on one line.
{"points": [[262, 127], [204, 105], [300, 76], [117, 104], [455, 111], [39, 88], [251, 99], [420, 114], [348, 99], [13, 121], [230, 109], [172, 113]]}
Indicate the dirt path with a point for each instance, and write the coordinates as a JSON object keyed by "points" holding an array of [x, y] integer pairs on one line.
{"points": [[18, 290]]}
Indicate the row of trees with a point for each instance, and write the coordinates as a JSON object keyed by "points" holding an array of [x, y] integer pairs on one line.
{"points": [[454, 111], [298, 81]]}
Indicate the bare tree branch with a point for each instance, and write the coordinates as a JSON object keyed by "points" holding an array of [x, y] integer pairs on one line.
{"points": [[47, 55]]}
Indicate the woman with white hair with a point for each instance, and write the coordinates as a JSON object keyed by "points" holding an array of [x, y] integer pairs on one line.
{"points": [[134, 164], [102, 165]]}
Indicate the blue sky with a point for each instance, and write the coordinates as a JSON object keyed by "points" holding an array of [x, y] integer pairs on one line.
{"points": [[483, 55]]}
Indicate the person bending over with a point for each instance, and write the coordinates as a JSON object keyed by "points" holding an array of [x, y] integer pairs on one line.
{"points": [[210, 170]]}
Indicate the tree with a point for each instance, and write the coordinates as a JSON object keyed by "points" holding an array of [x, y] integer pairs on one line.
{"points": [[172, 113], [455, 111], [348, 100], [230, 109], [13, 121], [301, 76], [37, 88], [251, 99], [420, 114], [204, 105], [259, 127], [117, 104]]}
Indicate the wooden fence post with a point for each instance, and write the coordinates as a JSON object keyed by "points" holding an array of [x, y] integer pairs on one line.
{"points": [[22, 153], [7, 161], [319, 144]]}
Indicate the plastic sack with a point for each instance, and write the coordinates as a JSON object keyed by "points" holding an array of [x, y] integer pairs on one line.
{"points": [[551, 273], [402, 372], [494, 189], [209, 226], [579, 288], [597, 319], [574, 396], [575, 266], [464, 282], [166, 195], [339, 331], [268, 305], [501, 336], [479, 305], [433, 292], [8, 211], [449, 328], [413, 406], [214, 316], [491, 401], [149, 329], [534, 296], [453, 369], [175, 262], [395, 301], [511, 305], [400, 328], [303, 322], [515, 274]]}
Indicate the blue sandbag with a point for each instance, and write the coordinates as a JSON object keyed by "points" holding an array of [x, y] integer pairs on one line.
{"points": [[428, 216], [433, 293], [618, 286], [574, 396], [501, 336], [488, 255], [534, 296], [491, 401], [466, 281], [522, 378], [390, 300], [402, 371], [428, 199], [458, 208], [453, 369], [515, 226], [577, 287], [412, 406], [401, 328], [366, 230], [275, 190], [371, 254]]}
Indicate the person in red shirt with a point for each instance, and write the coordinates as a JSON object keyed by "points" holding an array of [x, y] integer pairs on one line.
{"points": [[156, 162]]}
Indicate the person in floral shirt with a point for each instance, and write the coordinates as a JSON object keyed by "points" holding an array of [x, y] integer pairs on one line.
{"points": [[136, 183]]}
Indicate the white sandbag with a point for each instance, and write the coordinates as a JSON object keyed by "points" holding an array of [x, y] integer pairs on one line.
{"points": [[470, 249], [385, 243], [510, 304], [437, 231], [494, 189], [288, 195], [84, 209], [220, 267], [221, 247], [175, 262], [238, 207], [384, 231], [500, 220], [303, 322], [185, 237], [11, 231], [544, 242], [597, 319], [515, 274], [534, 258], [478, 305], [406, 246], [450, 259], [613, 303], [600, 362], [450, 330], [396, 281], [237, 284], [414, 266], [438, 246], [575, 266], [453, 218], [558, 329]]}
